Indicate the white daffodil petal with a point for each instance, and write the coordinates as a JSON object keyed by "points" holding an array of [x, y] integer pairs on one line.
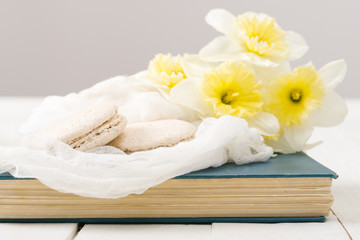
{"points": [[266, 74], [140, 74], [194, 67], [331, 113], [280, 145], [221, 49], [298, 135], [333, 73], [187, 93], [221, 20], [258, 61], [266, 123], [309, 146], [298, 45]]}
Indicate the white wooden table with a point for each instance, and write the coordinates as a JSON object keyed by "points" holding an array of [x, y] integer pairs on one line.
{"points": [[340, 152]]}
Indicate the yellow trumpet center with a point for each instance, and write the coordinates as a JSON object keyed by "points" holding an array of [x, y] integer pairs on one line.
{"points": [[293, 96], [262, 36], [166, 70], [232, 89], [229, 97]]}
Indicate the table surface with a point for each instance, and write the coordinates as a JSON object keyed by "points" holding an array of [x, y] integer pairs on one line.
{"points": [[339, 151]]}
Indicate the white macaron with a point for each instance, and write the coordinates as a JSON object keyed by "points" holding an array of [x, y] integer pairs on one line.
{"points": [[149, 135], [89, 128]]}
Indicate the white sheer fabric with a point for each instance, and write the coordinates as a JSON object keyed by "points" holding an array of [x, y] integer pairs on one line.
{"points": [[136, 97], [107, 172]]}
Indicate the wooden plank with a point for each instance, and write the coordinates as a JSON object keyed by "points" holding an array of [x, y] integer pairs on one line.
{"points": [[22, 231], [331, 229], [148, 232], [340, 151]]}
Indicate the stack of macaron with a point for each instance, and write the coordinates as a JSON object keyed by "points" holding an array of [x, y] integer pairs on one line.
{"points": [[102, 125], [149, 135]]}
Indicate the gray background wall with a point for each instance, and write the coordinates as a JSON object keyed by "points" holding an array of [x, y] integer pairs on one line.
{"points": [[59, 46]]}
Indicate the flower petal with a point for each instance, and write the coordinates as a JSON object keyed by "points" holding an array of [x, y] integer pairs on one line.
{"points": [[333, 73], [298, 135], [266, 123], [280, 145], [220, 49], [267, 74], [292, 139], [332, 112], [221, 20], [257, 60], [309, 146], [298, 45], [187, 93], [194, 67]]}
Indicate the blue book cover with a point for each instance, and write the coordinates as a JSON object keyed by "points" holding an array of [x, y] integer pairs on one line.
{"points": [[297, 165], [282, 165]]}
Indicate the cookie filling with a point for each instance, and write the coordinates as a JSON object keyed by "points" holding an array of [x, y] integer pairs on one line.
{"points": [[114, 121]]}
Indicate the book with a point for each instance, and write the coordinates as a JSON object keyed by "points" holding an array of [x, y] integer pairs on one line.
{"points": [[286, 188]]}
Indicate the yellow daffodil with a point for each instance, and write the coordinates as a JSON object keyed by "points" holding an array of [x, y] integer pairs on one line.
{"points": [[251, 37], [303, 99], [232, 89], [293, 96], [166, 70], [229, 89]]}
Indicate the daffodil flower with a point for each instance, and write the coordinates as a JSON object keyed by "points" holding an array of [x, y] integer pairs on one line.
{"points": [[303, 99], [166, 70], [228, 89], [251, 37]]}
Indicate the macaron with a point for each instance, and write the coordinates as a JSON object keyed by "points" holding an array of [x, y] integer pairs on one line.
{"points": [[89, 128], [150, 135]]}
